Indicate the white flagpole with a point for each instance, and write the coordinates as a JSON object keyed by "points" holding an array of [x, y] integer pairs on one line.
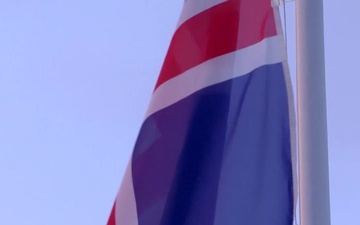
{"points": [[313, 153]]}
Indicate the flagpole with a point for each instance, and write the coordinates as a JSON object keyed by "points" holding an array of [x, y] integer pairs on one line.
{"points": [[313, 153]]}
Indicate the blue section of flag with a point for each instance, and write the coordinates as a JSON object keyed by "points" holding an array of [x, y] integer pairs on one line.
{"points": [[220, 156]]}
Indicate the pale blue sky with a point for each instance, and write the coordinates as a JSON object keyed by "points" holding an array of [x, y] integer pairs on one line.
{"points": [[75, 81]]}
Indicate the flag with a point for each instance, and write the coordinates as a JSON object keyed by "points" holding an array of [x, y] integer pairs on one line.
{"points": [[215, 147]]}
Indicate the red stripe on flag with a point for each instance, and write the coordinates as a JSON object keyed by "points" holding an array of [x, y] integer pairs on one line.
{"points": [[222, 29], [112, 220]]}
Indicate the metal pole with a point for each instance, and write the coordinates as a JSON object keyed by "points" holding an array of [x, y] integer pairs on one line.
{"points": [[313, 153]]}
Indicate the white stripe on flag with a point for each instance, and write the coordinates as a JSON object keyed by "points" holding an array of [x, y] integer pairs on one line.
{"points": [[194, 7], [222, 68], [126, 213]]}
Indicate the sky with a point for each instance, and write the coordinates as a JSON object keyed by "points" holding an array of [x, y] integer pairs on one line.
{"points": [[75, 81]]}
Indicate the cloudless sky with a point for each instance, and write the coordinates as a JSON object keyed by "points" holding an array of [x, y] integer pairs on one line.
{"points": [[76, 78]]}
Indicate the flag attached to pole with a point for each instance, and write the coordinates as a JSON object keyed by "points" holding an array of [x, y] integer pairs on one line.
{"points": [[215, 147]]}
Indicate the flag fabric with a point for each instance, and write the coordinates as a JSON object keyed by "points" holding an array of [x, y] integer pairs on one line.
{"points": [[215, 147]]}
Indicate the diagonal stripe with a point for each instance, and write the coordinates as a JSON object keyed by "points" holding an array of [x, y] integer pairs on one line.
{"points": [[112, 220], [217, 70], [126, 213], [224, 28], [194, 7]]}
